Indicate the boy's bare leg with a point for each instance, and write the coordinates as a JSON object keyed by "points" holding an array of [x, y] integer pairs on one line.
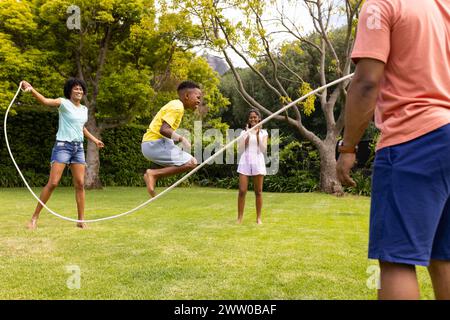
{"points": [[440, 276], [55, 175], [152, 175], [398, 282], [243, 186], [150, 186]]}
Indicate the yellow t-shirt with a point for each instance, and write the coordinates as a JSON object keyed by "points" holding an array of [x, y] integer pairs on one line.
{"points": [[172, 113]]}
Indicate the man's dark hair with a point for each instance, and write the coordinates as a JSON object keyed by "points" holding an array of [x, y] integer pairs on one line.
{"points": [[72, 82], [187, 85]]}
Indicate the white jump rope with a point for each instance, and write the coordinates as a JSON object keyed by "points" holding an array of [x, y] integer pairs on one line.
{"points": [[176, 183]]}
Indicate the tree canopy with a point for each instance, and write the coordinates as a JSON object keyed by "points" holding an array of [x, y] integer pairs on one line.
{"points": [[131, 55]]}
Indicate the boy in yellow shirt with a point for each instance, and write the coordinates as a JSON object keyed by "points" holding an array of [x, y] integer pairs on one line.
{"points": [[158, 143]]}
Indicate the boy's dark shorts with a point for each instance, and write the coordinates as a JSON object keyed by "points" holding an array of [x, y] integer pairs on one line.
{"points": [[410, 210]]}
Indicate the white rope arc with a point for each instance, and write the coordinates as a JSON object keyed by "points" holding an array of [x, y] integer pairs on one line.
{"points": [[177, 182]]}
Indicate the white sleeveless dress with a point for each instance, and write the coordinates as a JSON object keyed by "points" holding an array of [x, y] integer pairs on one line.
{"points": [[252, 162]]}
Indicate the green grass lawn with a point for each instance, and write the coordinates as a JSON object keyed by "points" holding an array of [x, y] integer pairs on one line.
{"points": [[186, 245]]}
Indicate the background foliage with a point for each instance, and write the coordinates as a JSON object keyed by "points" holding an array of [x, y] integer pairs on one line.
{"points": [[32, 135]]}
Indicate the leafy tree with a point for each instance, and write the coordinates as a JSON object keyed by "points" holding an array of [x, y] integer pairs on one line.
{"points": [[251, 40], [129, 56]]}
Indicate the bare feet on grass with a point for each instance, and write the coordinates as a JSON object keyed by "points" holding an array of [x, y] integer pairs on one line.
{"points": [[81, 225], [258, 221], [150, 182], [32, 224]]}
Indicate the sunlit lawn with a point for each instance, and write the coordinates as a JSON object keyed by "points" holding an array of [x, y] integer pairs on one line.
{"points": [[186, 245]]}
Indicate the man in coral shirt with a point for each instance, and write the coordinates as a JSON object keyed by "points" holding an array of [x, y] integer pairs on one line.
{"points": [[402, 77]]}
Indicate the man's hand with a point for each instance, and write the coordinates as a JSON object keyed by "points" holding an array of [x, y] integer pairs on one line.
{"points": [[344, 165]]}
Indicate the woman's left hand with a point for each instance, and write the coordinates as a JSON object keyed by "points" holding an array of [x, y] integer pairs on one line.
{"points": [[99, 144]]}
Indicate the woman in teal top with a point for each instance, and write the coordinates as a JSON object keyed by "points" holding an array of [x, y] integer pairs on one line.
{"points": [[68, 148]]}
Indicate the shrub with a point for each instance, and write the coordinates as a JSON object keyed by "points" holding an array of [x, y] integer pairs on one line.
{"points": [[363, 181], [32, 135]]}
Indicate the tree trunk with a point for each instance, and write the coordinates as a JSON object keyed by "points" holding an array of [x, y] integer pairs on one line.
{"points": [[328, 178], [92, 179]]}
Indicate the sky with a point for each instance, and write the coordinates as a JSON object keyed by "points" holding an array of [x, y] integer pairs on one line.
{"points": [[296, 11]]}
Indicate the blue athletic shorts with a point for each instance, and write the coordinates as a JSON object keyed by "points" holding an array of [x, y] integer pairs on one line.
{"points": [[165, 153], [68, 152], [410, 209]]}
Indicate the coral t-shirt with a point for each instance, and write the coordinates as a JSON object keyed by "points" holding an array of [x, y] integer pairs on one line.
{"points": [[412, 37]]}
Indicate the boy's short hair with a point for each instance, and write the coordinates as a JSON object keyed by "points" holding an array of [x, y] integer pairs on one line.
{"points": [[72, 82], [187, 85]]}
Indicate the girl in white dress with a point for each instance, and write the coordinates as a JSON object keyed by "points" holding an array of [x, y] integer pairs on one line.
{"points": [[252, 148]]}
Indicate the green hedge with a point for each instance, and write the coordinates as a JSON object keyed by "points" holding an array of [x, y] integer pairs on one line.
{"points": [[121, 161]]}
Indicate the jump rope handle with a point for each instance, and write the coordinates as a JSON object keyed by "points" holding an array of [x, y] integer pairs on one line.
{"points": [[24, 90]]}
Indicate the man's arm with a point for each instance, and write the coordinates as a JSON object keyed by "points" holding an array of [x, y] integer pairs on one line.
{"points": [[359, 109], [361, 99]]}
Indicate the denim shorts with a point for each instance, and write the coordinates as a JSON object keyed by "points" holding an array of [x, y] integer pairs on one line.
{"points": [[165, 153], [410, 210], [68, 152]]}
